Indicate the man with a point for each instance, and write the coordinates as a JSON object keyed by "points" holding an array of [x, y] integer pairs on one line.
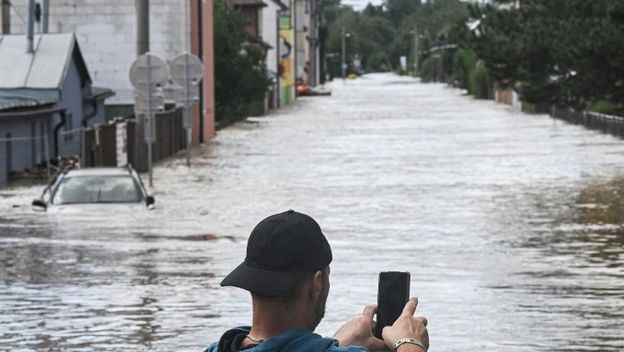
{"points": [[287, 272]]}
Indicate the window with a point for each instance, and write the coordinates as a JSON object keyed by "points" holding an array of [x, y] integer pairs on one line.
{"points": [[97, 189]]}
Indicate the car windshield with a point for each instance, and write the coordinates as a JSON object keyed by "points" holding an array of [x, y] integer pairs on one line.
{"points": [[97, 189]]}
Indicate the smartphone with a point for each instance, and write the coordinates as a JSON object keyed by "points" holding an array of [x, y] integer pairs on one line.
{"points": [[392, 294]]}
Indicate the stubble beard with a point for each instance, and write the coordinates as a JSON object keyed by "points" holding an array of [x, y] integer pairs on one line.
{"points": [[319, 307]]}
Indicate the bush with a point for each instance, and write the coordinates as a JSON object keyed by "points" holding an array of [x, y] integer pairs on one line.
{"points": [[603, 107], [432, 70], [480, 82], [464, 63]]}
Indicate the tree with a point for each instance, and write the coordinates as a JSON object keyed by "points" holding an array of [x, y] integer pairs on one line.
{"points": [[240, 70], [565, 52]]}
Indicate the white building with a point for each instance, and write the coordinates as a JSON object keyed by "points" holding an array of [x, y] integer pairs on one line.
{"points": [[307, 58], [106, 31], [271, 35]]}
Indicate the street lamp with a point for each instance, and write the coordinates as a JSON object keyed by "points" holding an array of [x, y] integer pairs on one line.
{"points": [[344, 36]]}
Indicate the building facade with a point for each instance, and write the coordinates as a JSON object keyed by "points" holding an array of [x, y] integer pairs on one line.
{"points": [[271, 35], [107, 32], [46, 98]]}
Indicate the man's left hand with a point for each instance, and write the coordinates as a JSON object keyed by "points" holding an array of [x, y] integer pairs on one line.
{"points": [[359, 331]]}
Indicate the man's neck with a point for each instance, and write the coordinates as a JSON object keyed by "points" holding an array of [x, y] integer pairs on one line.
{"points": [[273, 320]]}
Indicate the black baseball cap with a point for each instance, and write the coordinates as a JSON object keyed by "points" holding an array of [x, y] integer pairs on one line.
{"points": [[280, 251]]}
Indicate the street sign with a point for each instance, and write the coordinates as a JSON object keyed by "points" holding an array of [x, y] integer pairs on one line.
{"points": [[144, 105], [187, 70], [187, 67], [147, 73], [181, 95]]}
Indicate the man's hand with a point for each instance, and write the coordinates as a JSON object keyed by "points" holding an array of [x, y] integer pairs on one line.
{"points": [[359, 331], [407, 326]]}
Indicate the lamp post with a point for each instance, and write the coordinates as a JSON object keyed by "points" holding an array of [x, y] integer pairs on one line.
{"points": [[344, 35]]}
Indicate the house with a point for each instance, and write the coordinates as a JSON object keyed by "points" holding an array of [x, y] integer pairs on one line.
{"points": [[107, 32], [307, 14], [46, 96], [287, 56], [270, 34]]}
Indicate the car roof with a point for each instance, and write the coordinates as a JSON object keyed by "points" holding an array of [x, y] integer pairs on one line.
{"points": [[99, 171]]}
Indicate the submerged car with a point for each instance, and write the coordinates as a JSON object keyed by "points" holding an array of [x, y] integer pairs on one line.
{"points": [[106, 188]]}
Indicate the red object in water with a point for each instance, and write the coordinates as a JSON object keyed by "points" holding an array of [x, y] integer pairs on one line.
{"points": [[302, 88]]}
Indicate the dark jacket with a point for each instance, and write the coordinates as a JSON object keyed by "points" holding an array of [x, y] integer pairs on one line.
{"points": [[297, 340]]}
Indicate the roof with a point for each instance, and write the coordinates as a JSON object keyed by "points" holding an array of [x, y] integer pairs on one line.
{"points": [[100, 93], [11, 99], [99, 171], [46, 68], [281, 5]]}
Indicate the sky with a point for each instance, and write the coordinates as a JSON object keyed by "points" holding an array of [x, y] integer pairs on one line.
{"points": [[361, 4]]}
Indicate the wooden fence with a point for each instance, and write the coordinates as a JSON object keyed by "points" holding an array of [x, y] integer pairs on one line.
{"points": [[607, 123], [114, 144]]}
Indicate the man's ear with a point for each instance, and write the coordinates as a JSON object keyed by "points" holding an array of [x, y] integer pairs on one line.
{"points": [[316, 284]]}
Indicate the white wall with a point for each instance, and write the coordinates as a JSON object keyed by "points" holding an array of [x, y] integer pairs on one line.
{"points": [[106, 33], [270, 28]]}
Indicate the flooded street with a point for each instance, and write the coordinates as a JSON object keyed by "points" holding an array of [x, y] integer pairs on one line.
{"points": [[511, 226]]}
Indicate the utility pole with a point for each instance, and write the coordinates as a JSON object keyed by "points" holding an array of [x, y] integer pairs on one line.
{"points": [[344, 58], [31, 27], [6, 16], [142, 46], [142, 13], [416, 44], [46, 16], [342, 55]]}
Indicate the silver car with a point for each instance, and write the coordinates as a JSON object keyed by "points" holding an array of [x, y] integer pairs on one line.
{"points": [[91, 188]]}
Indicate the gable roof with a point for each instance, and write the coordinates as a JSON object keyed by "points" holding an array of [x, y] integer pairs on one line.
{"points": [[46, 68]]}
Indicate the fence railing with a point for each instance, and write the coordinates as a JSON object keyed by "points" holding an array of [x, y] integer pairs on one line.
{"points": [[593, 120], [114, 144]]}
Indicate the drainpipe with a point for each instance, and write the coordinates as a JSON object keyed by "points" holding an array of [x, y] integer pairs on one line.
{"points": [[46, 16], [200, 52], [31, 26], [87, 117], [57, 129], [6, 16]]}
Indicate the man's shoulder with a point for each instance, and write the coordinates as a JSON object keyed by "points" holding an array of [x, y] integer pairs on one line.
{"points": [[348, 349], [294, 340], [213, 347]]}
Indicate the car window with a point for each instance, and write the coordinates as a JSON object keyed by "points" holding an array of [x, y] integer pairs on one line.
{"points": [[97, 189]]}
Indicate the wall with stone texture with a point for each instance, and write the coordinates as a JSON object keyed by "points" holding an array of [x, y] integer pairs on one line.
{"points": [[106, 33]]}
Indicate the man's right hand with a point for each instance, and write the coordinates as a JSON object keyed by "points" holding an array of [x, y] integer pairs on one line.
{"points": [[407, 326]]}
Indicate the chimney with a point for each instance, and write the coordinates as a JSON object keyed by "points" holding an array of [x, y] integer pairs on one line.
{"points": [[46, 15], [31, 26]]}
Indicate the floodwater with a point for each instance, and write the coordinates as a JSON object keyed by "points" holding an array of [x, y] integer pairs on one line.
{"points": [[511, 226]]}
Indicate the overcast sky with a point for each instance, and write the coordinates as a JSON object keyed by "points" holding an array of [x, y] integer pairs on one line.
{"points": [[361, 4]]}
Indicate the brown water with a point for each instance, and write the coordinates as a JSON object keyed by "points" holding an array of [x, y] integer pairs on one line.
{"points": [[510, 224]]}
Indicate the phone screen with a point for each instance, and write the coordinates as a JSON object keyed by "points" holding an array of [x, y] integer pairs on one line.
{"points": [[393, 292]]}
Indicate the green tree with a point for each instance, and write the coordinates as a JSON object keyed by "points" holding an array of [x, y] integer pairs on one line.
{"points": [[566, 52], [240, 70]]}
